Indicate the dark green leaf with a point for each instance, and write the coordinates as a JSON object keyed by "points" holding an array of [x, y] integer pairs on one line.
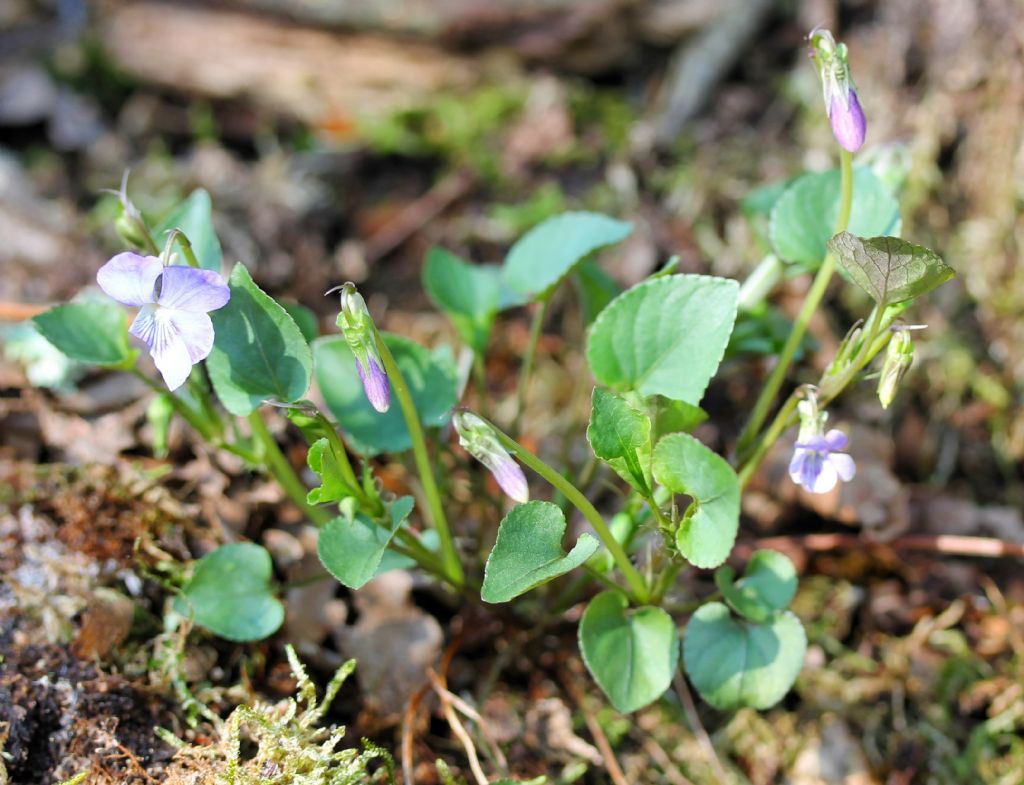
{"points": [[549, 252], [194, 217], [631, 654], [528, 551], [767, 586], [90, 332], [889, 269], [616, 432], [708, 529], [664, 337], [596, 289], [229, 593], [432, 381], [259, 353], [734, 663], [352, 548]]}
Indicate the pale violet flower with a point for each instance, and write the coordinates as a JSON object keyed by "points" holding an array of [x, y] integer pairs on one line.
{"points": [[849, 126], [357, 326], [480, 441], [175, 302], [818, 463]]}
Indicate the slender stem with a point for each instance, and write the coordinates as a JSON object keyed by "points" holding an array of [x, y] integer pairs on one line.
{"points": [[778, 374], [828, 389], [480, 380], [275, 462], [186, 248], [190, 415], [665, 580], [450, 556], [581, 503], [524, 373]]}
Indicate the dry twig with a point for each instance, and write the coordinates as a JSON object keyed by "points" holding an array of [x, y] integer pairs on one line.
{"points": [[610, 763], [693, 718], [952, 544]]}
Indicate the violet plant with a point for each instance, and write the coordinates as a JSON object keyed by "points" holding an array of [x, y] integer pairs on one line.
{"points": [[226, 349]]}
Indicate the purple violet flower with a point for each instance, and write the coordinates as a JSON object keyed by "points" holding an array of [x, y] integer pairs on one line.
{"points": [[818, 464], [357, 326], [478, 439], [174, 304], [847, 118], [849, 125], [375, 383]]}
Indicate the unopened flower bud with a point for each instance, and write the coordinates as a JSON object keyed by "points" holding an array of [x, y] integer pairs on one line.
{"points": [[849, 126], [480, 441], [357, 326], [899, 355]]}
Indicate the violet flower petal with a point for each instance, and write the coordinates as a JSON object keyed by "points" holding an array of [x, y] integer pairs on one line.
{"points": [[849, 125], [375, 384], [835, 440], [170, 352], [843, 464], [193, 290], [796, 465], [509, 476], [129, 278]]}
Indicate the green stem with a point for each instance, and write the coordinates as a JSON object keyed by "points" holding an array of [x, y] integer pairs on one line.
{"points": [[186, 249], [875, 340], [275, 462], [803, 319], [450, 556], [665, 581], [190, 415], [524, 373], [581, 503]]}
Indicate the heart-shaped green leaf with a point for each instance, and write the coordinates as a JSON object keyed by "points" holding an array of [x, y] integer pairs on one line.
{"points": [[708, 529], [194, 217], [90, 332], [803, 219], [432, 381], [352, 548], [229, 593], [468, 294], [528, 551], [616, 431], [889, 269], [631, 654], [259, 352], [735, 663], [665, 336], [767, 586], [547, 253]]}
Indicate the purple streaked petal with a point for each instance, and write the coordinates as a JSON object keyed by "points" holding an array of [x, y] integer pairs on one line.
{"points": [[193, 290], [129, 278], [814, 444], [844, 465], [170, 352], [835, 440], [509, 476], [196, 330], [825, 478], [796, 465], [375, 384], [849, 125]]}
